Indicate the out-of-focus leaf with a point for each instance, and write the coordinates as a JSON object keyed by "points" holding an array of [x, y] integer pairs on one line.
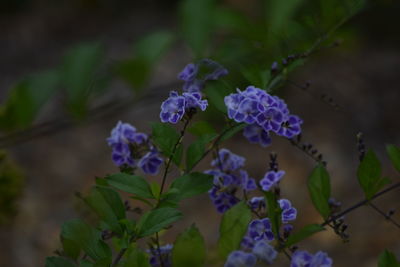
{"points": [[196, 150], [232, 131], [70, 248], [388, 259], [319, 188], [27, 98], [132, 184], [216, 92], [200, 128], [274, 212], [165, 137], [197, 23], [107, 204], [369, 175], [189, 249], [136, 257], [78, 73], [394, 154], [87, 238], [304, 233], [192, 184], [233, 227], [155, 220], [59, 262]]}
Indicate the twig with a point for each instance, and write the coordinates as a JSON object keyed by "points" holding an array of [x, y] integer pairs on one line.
{"points": [[384, 215]]}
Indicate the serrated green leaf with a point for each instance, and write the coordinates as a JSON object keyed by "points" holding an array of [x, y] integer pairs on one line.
{"points": [[304, 233], [165, 137], [155, 220], [274, 212], [185, 245], [394, 154], [196, 24], [369, 174], [233, 227], [192, 184], [88, 238], [319, 188], [196, 150], [132, 184], [388, 259], [107, 204], [59, 262]]}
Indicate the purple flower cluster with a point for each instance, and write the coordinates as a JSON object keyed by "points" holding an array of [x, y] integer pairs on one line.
{"points": [[197, 74], [124, 140], [270, 179], [228, 177], [264, 113], [289, 213], [239, 258], [164, 252], [305, 259]]}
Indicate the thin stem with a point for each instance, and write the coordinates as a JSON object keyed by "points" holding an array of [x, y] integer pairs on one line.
{"points": [[121, 253], [159, 250], [361, 203], [384, 215]]}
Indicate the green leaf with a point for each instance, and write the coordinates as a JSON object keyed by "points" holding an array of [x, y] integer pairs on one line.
{"points": [[155, 220], [136, 257], [165, 137], [78, 75], [232, 131], [196, 150], [189, 249], [274, 212], [320, 190], [388, 259], [369, 175], [88, 238], [196, 24], [107, 204], [147, 52], [132, 184], [394, 154], [70, 248], [192, 184], [27, 98], [200, 128], [59, 262], [233, 227], [216, 92], [155, 190], [304, 233]]}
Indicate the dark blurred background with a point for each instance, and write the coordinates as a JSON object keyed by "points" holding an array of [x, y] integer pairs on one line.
{"points": [[361, 75]]}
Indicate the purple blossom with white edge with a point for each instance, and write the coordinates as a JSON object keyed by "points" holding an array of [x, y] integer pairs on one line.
{"points": [[223, 201], [164, 252], [150, 163], [290, 127], [222, 179], [256, 135], [189, 72], [239, 258], [247, 242], [305, 259], [121, 155], [261, 230], [257, 203], [271, 119], [227, 161], [173, 109], [288, 212], [270, 179], [247, 183], [193, 100], [265, 252]]}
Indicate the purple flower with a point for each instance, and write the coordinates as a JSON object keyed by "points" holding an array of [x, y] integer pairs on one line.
{"points": [[222, 179], [261, 230], [227, 161], [164, 252], [247, 242], [193, 100], [256, 135], [150, 163], [305, 259], [189, 72], [264, 251], [321, 259], [121, 155], [232, 102], [291, 127], [287, 230], [288, 212], [257, 203], [270, 179], [271, 119], [223, 201], [239, 258], [247, 183], [125, 133], [173, 109]]}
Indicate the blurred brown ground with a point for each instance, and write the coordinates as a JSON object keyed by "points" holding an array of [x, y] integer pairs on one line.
{"points": [[362, 77]]}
